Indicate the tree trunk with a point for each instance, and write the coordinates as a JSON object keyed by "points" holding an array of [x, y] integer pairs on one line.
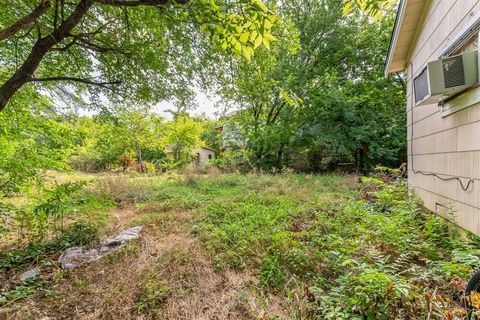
{"points": [[363, 157], [139, 157], [280, 156], [23, 74]]}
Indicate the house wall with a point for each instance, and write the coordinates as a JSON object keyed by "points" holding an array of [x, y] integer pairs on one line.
{"points": [[448, 146], [204, 155]]}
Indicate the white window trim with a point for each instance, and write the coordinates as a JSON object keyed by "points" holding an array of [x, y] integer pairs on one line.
{"points": [[471, 96], [463, 36], [463, 101]]}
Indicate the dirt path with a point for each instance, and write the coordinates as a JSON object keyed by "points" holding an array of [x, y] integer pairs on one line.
{"points": [[166, 274]]}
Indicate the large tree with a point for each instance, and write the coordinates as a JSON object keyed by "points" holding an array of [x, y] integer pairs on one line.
{"points": [[182, 134], [137, 49], [329, 101]]}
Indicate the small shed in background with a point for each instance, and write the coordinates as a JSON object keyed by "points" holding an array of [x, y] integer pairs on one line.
{"points": [[203, 155]]}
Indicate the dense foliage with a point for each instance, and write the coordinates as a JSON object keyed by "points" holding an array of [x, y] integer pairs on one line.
{"points": [[33, 138], [138, 140], [135, 50], [327, 102]]}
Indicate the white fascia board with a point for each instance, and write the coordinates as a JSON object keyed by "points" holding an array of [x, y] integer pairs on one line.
{"points": [[395, 34]]}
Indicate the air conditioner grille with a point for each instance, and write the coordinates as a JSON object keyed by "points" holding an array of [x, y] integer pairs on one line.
{"points": [[421, 86], [453, 73]]}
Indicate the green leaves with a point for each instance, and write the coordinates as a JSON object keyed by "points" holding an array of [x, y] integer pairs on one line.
{"points": [[327, 100], [348, 7], [244, 37], [182, 135], [259, 4], [32, 140], [258, 40], [150, 56], [240, 32], [374, 8]]}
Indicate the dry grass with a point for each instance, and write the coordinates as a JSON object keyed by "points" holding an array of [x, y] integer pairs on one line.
{"points": [[251, 247], [164, 275]]}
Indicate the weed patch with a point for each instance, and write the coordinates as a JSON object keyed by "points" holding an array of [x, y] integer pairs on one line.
{"points": [[21, 291], [373, 258], [78, 233], [321, 247]]}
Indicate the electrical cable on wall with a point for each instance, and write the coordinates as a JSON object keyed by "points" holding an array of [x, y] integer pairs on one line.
{"points": [[464, 187]]}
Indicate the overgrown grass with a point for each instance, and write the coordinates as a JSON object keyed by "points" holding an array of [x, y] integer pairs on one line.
{"points": [[374, 258], [332, 247]]}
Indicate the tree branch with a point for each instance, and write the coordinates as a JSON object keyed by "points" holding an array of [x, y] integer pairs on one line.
{"points": [[64, 48], [96, 31], [43, 45], [136, 3], [74, 79], [87, 44], [26, 20]]}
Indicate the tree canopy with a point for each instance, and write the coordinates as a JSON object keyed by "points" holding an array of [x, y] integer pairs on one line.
{"points": [[327, 101], [137, 50]]}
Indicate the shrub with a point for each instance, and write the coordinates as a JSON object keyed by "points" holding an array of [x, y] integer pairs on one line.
{"points": [[374, 293], [86, 163], [76, 234], [128, 163], [79, 233], [233, 160]]}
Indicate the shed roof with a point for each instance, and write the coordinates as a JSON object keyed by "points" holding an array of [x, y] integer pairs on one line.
{"points": [[170, 149], [407, 23], [207, 148]]}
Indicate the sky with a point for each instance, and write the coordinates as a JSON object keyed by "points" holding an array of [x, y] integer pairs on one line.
{"points": [[205, 102], [205, 105]]}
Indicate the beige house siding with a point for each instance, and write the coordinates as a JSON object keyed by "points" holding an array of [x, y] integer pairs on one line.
{"points": [[448, 146]]}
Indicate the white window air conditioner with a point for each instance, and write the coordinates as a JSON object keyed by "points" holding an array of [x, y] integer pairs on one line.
{"points": [[446, 77]]}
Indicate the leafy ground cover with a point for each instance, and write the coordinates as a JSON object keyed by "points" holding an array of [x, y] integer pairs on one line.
{"points": [[233, 246]]}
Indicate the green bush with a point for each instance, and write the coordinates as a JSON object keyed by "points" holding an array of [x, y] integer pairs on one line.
{"points": [[374, 293], [78, 233]]}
